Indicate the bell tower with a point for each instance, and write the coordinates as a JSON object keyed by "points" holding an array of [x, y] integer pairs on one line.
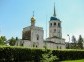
{"points": [[55, 29]]}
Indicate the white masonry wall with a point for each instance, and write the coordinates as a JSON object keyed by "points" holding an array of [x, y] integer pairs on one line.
{"points": [[37, 32], [55, 43]]}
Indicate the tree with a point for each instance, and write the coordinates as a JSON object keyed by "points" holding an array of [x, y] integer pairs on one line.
{"points": [[80, 42], [12, 41], [73, 39], [3, 40], [74, 42], [17, 38]]}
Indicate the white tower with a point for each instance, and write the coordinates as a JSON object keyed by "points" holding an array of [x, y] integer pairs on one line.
{"points": [[55, 26]]}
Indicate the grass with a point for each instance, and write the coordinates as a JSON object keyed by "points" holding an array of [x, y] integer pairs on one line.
{"points": [[82, 60]]}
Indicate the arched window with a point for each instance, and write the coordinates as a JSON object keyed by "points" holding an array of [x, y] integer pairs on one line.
{"points": [[54, 30], [37, 37], [34, 44], [54, 23], [57, 47], [59, 25]]}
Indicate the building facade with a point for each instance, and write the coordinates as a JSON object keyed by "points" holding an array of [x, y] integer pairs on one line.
{"points": [[32, 36]]}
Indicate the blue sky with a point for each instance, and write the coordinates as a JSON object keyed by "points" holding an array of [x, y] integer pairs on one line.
{"points": [[16, 14]]}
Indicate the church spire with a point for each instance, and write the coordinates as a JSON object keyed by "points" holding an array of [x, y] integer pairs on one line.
{"points": [[33, 20], [54, 11], [33, 13]]}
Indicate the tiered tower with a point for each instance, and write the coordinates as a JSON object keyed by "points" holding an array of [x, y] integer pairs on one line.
{"points": [[55, 29]]}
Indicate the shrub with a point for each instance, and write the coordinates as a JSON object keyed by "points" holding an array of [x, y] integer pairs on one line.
{"points": [[18, 54], [69, 54], [48, 57]]}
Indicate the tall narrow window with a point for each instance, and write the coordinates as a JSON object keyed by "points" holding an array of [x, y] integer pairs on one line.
{"points": [[37, 37], [57, 47], [54, 24], [33, 44]]}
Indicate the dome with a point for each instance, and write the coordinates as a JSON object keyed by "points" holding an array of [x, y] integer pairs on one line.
{"points": [[54, 18], [32, 19]]}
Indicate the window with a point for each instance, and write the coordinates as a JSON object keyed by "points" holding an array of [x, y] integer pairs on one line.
{"points": [[50, 24], [33, 45], [54, 24], [59, 25], [57, 47], [36, 46], [37, 37], [22, 44], [54, 30]]}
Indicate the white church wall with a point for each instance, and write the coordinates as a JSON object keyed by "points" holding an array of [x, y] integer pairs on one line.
{"points": [[55, 43], [27, 43], [55, 46], [37, 32], [19, 42]]}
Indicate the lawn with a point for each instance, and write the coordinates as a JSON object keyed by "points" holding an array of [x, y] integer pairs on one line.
{"points": [[82, 60]]}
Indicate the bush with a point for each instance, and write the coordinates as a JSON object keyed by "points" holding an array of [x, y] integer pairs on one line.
{"points": [[48, 57], [69, 54], [18, 54]]}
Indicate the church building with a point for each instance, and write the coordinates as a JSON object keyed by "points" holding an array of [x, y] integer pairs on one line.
{"points": [[32, 36]]}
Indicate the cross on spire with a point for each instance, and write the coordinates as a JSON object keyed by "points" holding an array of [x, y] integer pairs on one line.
{"points": [[33, 13], [54, 11]]}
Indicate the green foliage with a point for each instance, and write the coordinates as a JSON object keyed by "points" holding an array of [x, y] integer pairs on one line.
{"points": [[74, 39], [72, 54], [2, 40], [76, 44], [80, 42], [12, 41], [20, 54], [48, 57], [17, 38]]}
